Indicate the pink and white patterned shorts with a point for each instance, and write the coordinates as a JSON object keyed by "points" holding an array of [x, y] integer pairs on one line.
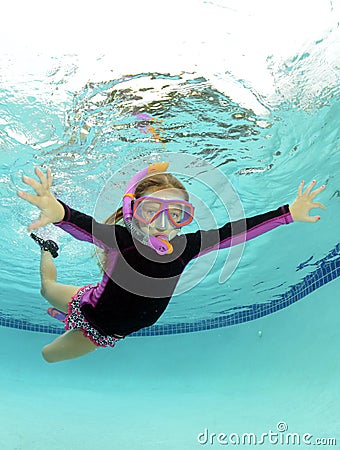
{"points": [[75, 320]]}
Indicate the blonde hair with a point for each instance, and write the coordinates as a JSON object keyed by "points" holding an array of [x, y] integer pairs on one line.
{"points": [[150, 184]]}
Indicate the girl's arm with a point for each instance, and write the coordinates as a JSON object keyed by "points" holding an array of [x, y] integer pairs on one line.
{"points": [[86, 228], [242, 230], [79, 225]]}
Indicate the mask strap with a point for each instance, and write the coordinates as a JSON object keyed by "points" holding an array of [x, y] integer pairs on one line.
{"points": [[161, 246]]}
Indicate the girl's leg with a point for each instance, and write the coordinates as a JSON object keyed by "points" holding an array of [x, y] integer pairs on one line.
{"points": [[69, 345], [59, 295], [73, 343]]}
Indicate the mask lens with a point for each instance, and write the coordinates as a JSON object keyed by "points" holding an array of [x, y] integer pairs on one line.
{"points": [[147, 210], [179, 213], [176, 212]]}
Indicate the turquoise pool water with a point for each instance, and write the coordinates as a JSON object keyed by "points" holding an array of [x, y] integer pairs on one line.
{"points": [[163, 392], [249, 343]]}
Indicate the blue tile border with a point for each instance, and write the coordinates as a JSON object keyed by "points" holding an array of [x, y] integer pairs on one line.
{"points": [[327, 269]]}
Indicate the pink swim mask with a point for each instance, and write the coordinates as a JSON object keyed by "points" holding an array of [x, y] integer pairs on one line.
{"points": [[149, 209]]}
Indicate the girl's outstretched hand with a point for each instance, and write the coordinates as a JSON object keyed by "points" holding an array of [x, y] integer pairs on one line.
{"points": [[51, 209], [303, 203]]}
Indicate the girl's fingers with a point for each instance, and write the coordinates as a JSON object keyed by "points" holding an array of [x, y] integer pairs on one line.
{"points": [[34, 184], [310, 187], [308, 192], [45, 181], [34, 226], [42, 178], [311, 219], [41, 222], [319, 205], [317, 191], [31, 198], [300, 188], [49, 178]]}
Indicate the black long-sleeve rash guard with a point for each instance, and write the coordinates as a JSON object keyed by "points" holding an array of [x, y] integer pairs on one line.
{"points": [[138, 283]]}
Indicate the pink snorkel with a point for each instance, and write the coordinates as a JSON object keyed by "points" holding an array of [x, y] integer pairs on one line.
{"points": [[161, 246]]}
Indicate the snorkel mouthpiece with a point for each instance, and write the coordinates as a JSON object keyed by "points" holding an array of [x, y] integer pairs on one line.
{"points": [[160, 245]]}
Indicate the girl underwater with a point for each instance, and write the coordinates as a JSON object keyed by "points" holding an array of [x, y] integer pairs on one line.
{"points": [[144, 256]]}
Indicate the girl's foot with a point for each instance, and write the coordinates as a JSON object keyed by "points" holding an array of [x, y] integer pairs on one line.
{"points": [[48, 246], [56, 314]]}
